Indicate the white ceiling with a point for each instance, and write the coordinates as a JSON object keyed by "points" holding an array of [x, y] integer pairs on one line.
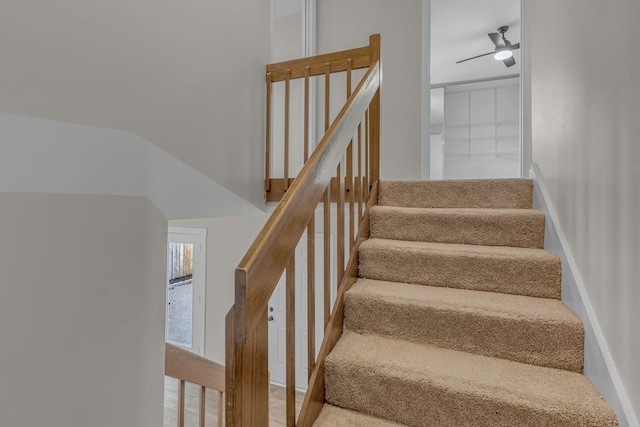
{"points": [[459, 30]]}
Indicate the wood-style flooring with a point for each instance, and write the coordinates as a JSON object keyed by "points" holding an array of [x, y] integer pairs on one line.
{"points": [[192, 399]]}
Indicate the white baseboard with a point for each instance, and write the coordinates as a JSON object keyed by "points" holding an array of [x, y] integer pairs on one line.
{"points": [[598, 363]]}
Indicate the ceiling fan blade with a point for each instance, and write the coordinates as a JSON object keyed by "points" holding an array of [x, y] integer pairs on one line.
{"points": [[496, 39], [515, 46], [474, 57], [510, 62]]}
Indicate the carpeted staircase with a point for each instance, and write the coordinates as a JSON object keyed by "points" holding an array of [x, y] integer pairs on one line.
{"points": [[457, 319]]}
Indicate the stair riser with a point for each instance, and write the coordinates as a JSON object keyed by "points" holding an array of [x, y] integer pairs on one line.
{"points": [[496, 194], [412, 403], [525, 231], [554, 345], [518, 276], [332, 416]]}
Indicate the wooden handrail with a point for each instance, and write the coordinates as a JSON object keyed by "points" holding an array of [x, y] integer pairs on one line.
{"points": [[327, 175], [361, 58], [187, 366]]}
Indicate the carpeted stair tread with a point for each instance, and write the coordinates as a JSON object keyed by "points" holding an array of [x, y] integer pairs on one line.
{"points": [[489, 227], [417, 385], [539, 331], [520, 271], [332, 416], [486, 193]]}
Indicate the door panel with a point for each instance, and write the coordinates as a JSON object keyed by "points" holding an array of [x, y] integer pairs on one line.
{"points": [[277, 326]]}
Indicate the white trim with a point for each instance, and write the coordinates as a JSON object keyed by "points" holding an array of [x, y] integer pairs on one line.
{"points": [[202, 232], [309, 26], [483, 84], [464, 82], [197, 237], [599, 366], [426, 91], [309, 40], [526, 139]]}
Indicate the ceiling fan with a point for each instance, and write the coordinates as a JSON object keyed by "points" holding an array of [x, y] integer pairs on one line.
{"points": [[504, 48]]}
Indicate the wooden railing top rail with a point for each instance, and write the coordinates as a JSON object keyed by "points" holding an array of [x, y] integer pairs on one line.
{"points": [[259, 271], [187, 366], [360, 57]]}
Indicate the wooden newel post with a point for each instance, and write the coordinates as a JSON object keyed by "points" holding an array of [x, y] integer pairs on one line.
{"points": [[247, 369], [374, 113]]}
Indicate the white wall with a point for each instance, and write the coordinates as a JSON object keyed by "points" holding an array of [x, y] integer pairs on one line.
{"points": [[228, 238], [586, 105], [288, 44], [82, 311], [344, 24], [187, 76]]}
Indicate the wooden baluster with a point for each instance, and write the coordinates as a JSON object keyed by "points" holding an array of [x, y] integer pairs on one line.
{"points": [[181, 404], [348, 183], [311, 245], [267, 180], [340, 224], [327, 95], [327, 254], [287, 90], [360, 182], [291, 343], [306, 113], [374, 120], [220, 408], [349, 66], [366, 155], [203, 401], [349, 178], [327, 209], [311, 296]]}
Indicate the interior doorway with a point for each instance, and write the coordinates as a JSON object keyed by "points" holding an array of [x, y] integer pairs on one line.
{"points": [[185, 286], [476, 118]]}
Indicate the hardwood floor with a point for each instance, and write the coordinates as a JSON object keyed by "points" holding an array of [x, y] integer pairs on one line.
{"points": [[192, 398]]}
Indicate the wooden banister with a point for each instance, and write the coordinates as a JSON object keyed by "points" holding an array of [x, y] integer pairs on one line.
{"points": [[190, 367], [185, 365], [278, 177], [361, 57], [257, 274], [328, 174]]}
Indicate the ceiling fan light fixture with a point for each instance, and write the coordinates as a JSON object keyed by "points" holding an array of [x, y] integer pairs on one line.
{"points": [[503, 53]]}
